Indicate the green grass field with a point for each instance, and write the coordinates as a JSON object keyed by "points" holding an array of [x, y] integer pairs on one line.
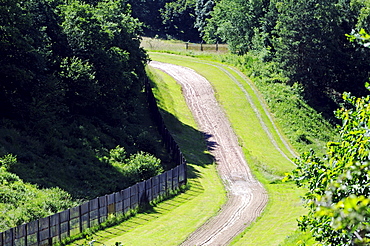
{"points": [[170, 222], [284, 207]]}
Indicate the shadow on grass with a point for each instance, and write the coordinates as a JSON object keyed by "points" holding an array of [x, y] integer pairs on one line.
{"points": [[67, 154], [194, 144]]}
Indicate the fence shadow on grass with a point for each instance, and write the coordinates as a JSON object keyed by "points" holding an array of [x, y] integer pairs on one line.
{"points": [[194, 144], [72, 222], [188, 138]]}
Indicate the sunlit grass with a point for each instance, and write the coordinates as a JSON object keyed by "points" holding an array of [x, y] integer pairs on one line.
{"points": [[279, 219], [242, 116], [170, 222]]}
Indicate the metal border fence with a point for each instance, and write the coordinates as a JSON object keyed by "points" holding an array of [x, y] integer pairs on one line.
{"points": [[56, 227]]}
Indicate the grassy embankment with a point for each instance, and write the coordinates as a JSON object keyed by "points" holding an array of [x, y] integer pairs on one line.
{"points": [[267, 163], [171, 221], [284, 205]]}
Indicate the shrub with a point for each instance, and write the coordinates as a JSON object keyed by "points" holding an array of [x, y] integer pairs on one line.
{"points": [[137, 167], [22, 202]]}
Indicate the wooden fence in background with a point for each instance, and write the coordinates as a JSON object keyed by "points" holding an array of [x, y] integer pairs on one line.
{"points": [[180, 46], [54, 228], [222, 48]]}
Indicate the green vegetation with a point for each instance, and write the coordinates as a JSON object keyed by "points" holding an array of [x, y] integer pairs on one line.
{"points": [[338, 186], [21, 201], [267, 163], [71, 90], [170, 222], [137, 167]]}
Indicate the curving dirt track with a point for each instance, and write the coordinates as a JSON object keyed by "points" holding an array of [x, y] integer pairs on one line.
{"points": [[246, 196]]}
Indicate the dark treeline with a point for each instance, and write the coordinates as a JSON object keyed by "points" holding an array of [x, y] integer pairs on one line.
{"points": [[179, 19]]}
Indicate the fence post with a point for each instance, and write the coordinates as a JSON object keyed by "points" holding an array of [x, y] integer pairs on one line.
{"points": [[217, 46], [98, 210], [80, 218], [68, 223], [59, 226], [9, 237], [185, 169]]}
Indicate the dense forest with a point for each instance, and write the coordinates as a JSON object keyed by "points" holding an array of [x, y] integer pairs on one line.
{"points": [[74, 119]]}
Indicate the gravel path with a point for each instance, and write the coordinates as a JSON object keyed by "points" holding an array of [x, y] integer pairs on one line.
{"points": [[246, 196]]}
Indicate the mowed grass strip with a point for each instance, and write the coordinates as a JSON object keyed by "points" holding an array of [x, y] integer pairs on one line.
{"points": [[171, 221], [162, 227], [278, 221], [240, 113]]}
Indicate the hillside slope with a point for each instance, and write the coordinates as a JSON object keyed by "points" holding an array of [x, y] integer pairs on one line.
{"points": [[265, 160]]}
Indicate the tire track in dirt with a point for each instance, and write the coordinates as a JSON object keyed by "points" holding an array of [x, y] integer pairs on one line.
{"points": [[246, 196], [263, 105], [256, 111]]}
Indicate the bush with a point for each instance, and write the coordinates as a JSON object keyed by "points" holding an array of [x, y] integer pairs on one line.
{"points": [[7, 161], [22, 202], [137, 167]]}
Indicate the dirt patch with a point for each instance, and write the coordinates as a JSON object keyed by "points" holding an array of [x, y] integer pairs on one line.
{"points": [[246, 196]]}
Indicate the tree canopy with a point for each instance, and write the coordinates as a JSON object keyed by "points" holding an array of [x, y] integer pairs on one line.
{"points": [[68, 57], [71, 90], [71, 85], [306, 38]]}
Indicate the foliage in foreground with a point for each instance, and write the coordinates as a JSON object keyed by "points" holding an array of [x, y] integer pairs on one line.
{"points": [[338, 186], [22, 202]]}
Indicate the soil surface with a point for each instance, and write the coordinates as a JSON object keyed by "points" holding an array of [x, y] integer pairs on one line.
{"points": [[246, 196]]}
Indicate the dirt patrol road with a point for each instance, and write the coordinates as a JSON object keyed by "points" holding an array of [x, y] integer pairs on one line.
{"points": [[246, 196]]}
